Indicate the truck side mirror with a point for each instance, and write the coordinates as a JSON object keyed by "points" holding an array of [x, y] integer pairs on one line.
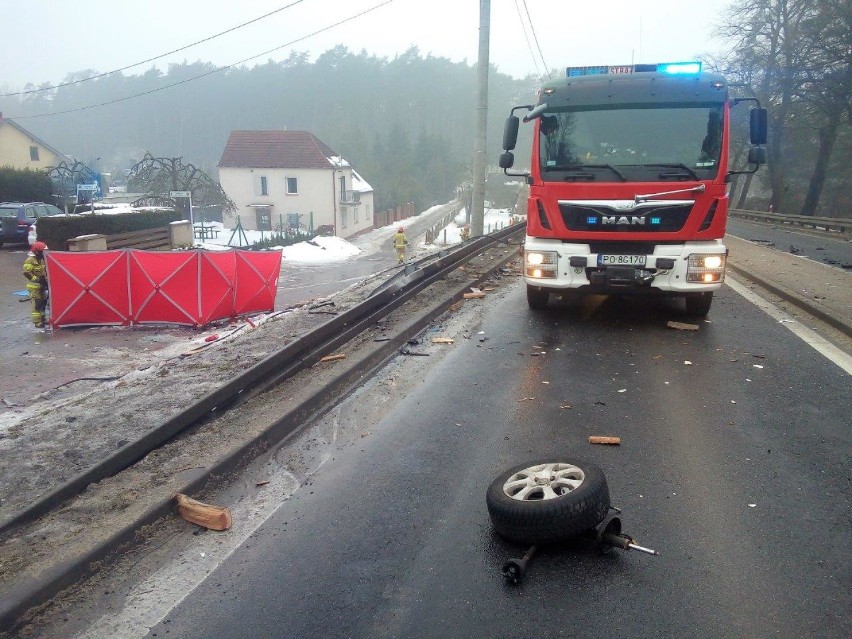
{"points": [[510, 134], [758, 121], [507, 159], [757, 155]]}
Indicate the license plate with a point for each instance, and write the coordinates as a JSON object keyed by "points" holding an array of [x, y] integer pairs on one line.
{"points": [[621, 260]]}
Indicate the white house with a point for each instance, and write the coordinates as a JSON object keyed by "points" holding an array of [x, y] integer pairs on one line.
{"points": [[278, 179]]}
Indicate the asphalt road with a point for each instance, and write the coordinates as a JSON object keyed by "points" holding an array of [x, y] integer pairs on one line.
{"points": [[735, 467], [832, 251]]}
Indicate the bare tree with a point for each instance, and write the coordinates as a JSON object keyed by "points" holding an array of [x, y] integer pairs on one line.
{"points": [[157, 177], [66, 177], [827, 90], [793, 55]]}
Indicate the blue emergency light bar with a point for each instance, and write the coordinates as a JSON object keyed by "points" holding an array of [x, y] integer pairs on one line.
{"points": [[672, 68]]}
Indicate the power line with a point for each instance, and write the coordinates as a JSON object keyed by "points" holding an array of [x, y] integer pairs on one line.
{"points": [[535, 37], [527, 38], [203, 75], [162, 55]]}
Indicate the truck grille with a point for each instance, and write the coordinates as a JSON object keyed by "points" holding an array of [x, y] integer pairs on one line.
{"points": [[602, 218]]}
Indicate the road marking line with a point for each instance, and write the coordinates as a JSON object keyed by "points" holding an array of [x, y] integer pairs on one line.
{"points": [[811, 338]]}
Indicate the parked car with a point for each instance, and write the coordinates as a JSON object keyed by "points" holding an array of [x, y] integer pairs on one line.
{"points": [[18, 217]]}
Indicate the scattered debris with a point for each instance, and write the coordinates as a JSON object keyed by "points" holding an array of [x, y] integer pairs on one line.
{"points": [[566, 405], [759, 356], [405, 351], [476, 294], [681, 326], [757, 366], [333, 358], [456, 306], [526, 399], [196, 512], [686, 362], [605, 440], [382, 339], [261, 483], [622, 390], [211, 338], [443, 340]]}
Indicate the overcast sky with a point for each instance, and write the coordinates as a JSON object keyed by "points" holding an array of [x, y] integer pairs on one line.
{"points": [[44, 40]]}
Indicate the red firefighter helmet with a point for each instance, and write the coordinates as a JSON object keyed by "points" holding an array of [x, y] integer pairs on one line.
{"points": [[38, 247]]}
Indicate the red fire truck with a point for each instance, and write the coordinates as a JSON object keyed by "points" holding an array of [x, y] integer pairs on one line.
{"points": [[629, 182]]}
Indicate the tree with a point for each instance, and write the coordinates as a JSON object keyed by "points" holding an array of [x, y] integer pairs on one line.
{"points": [[157, 177], [794, 56], [66, 177]]}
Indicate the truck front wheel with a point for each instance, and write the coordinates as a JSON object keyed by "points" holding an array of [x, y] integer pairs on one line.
{"points": [[537, 297], [698, 304]]}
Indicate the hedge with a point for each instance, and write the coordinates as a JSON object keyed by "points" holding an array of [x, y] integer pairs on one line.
{"points": [[56, 230]]}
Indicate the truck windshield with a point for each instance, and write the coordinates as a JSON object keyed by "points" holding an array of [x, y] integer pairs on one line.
{"points": [[637, 143]]}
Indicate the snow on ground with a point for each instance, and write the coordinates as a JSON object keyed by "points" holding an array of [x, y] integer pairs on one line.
{"points": [[324, 249]]}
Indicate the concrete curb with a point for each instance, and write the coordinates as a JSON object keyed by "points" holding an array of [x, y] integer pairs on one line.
{"points": [[788, 295], [15, 603]]}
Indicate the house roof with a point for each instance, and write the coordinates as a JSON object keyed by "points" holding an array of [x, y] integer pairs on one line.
{"points": [[277, 150], [32, 136]]}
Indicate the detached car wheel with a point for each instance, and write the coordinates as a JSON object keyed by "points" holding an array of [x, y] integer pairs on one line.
{"points": [[547, 501]]}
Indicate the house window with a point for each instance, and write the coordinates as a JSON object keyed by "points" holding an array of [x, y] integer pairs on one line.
{"points": [[292, 186], [342, 181], [261, 185], [34, 153], [355, 215], [343, 215]]}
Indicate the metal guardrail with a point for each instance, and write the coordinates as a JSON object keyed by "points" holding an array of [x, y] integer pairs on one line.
{"points": [[292, 358], [836, 224], [433, 232]]}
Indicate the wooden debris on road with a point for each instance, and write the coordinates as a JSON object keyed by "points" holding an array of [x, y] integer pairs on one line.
{"points": [[456, 306], [474, 294], [196, 512], [600, 439], [683, 327], [443, 340], [333, 358]]}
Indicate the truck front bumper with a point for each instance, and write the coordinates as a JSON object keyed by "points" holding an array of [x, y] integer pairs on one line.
{"points": [[690, 267]]}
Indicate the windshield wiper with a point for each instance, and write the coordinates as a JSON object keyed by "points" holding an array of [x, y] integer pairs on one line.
{"points": [[578, 170], [672, 165]]}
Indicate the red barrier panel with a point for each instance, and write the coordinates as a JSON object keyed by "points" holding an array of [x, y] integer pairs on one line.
{"points": [[164, 287], [88, 288], [191, 288], [218, 281], [257, 281]]}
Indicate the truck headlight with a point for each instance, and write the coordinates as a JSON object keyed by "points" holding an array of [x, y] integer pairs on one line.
{"points": [[540, 264], [703, 268]]}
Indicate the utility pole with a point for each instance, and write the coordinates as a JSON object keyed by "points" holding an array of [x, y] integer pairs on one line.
{"points": [[479, 164]]}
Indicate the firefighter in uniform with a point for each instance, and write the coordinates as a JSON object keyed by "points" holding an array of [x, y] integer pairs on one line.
{"points": [[399, 243], [35, 272]]}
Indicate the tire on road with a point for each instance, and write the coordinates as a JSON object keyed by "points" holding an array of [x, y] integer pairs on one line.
{"points": [[537, 296], [547, 501], [698, 304]]}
